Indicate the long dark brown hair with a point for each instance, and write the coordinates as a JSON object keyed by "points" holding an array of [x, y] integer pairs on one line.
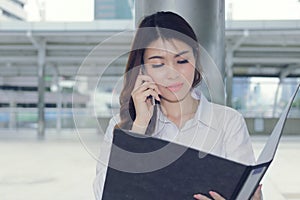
{"points": [[163, 25]]}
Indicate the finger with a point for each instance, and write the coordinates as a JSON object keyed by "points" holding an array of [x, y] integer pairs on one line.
{"points": [[142, 96], [144, 78], [257, 194], [150, 88], [150, 102], [152, 93], [151, 85], [142, 88], [201, 197], [216, 196], [155, 95]]}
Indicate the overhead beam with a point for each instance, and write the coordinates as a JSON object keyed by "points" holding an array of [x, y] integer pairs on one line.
{"points": [[251, 60], [270, 49]]}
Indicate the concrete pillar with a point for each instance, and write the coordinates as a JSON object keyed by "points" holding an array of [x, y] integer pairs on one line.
{"points": [[12, 115], [41, 89], [229, 66], [58, 92], [229, 78], [40, 45], [207, 18]]}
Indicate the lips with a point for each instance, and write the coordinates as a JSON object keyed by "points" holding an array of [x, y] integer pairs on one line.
{"points": [[175, 87]]}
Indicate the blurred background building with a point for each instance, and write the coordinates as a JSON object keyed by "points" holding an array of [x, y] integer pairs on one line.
{"points": [[12, 10], [71, 67], [113, 9], [61, 67]]}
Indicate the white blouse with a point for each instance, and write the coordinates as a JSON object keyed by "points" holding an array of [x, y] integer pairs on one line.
{"points": [[215, 129]]}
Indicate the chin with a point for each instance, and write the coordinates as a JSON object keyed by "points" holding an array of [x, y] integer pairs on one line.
{"points": [[175, 97]]}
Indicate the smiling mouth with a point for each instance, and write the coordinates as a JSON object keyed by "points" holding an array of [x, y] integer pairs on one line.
{"points": [[175, 87]]}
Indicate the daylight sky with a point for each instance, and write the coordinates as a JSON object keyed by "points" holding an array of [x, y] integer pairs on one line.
{"points": [[82, 10]]}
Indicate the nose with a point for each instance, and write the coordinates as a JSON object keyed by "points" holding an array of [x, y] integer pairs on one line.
{"points": [[172, 73]]}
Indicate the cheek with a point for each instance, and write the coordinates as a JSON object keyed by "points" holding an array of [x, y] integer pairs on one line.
{"points": [[157, 75], [188, 73]]}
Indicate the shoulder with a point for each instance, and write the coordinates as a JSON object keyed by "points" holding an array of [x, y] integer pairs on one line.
{"points": [[224, 111], [229, 119], [110, 127], [218, 116]]}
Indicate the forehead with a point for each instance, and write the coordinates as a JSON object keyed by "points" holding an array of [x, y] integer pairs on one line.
{"points": [[170, 45]]}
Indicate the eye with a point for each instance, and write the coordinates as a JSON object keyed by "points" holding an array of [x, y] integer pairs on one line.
{"points": [[184, 61], [157, 65]]}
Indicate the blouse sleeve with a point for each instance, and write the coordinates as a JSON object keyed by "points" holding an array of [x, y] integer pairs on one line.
{"points": [[103, 158]]}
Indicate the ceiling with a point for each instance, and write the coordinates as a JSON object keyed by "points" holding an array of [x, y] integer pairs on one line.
{"points": [[253, 48]]}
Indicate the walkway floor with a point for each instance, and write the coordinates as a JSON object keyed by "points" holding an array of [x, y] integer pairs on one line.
{"points": [[62, 167]]}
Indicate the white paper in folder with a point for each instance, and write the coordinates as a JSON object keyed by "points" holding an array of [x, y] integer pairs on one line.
{"points": [[267, 154]]}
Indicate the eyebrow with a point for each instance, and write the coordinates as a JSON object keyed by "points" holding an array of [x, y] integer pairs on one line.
{"points": [[155, 57], [160, 57], [181, 53]]}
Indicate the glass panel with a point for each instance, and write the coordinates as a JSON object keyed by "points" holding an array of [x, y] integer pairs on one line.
{"points": [[263, 96]]}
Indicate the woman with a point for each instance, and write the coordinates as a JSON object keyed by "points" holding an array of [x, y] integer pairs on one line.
{"points": [[160, 98]]}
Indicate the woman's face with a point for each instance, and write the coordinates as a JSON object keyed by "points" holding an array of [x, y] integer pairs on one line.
{"points": [[171, 65]]}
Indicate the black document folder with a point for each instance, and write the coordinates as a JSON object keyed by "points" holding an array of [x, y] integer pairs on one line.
{"points": [[140, 170]]}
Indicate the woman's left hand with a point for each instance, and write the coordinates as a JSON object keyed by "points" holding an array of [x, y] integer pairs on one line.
{"points": [[216, 196]]}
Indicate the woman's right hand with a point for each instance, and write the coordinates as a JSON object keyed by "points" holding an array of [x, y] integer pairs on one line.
{"points": [[143, 89]]}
